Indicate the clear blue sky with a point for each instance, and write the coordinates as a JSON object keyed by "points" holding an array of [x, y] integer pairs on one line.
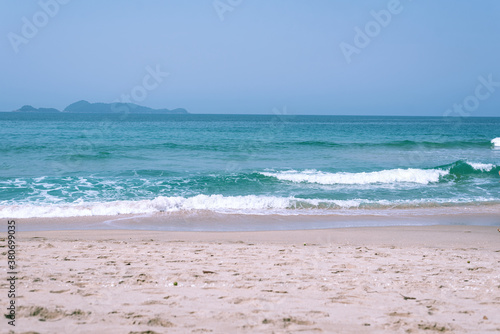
{"points": [[264, 54]]}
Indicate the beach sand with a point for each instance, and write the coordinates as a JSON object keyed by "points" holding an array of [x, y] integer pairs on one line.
{"points": [[350, 280]]}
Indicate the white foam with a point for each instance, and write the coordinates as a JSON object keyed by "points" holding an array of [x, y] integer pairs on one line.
{"points": [[251, 204], [159, 204], [496, 142], [411, 175], [481, 166]]}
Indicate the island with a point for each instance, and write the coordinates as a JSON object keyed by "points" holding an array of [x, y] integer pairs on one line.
{"points": [[118, 107], [28, 108], [104, 108]]}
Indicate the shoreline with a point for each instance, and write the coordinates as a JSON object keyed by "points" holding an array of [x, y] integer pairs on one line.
{"points": [[209, 221], [149, 209]]}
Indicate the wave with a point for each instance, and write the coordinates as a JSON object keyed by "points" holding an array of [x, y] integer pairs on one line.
{"points": [[386, 176], [496, 142], [251, 204], [105, 150], [317, 143], [147, 184], [403, 144], [481, 166], [446, 144], [465, 169], [456, 170], [4, 147], [217, 203]]}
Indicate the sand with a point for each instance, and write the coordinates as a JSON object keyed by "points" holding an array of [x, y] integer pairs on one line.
{"points": [[356, 280]]}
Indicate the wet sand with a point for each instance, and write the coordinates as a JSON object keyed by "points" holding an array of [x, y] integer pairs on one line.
{"points": [[200, 220], [354, 280]]}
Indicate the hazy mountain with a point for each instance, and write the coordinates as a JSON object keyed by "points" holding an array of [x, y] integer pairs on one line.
{"points": [[118, 107], [28, 108], [104, 108]]}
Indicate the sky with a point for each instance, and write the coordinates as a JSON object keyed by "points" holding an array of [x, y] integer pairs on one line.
{"points": [[336, 57]]}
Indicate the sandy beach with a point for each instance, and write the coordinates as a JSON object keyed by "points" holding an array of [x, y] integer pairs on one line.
{"points": [[355, 280], [245, 167]]}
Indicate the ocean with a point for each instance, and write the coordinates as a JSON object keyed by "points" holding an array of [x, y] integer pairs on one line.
{"points": [[74, 165]]}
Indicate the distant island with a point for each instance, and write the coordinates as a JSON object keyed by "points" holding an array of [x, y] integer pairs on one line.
{"points": [[103, 108], [32, 109]]}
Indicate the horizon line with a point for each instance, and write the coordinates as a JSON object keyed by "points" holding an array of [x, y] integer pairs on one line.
{"points": [[242, 114]]}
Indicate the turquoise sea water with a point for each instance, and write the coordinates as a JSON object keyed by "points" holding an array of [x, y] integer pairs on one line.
{"points": [[62, 165]]}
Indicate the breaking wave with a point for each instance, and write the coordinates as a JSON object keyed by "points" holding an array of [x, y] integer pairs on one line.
{"points": [[399, 175], [250, 204]]}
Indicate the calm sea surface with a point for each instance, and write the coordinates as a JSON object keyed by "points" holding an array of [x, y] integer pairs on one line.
{"points": [[62, 165]]}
